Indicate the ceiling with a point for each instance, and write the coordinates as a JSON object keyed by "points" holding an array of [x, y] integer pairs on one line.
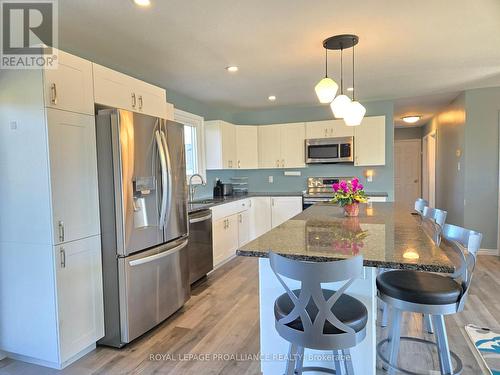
{"points": [[425, 51]]}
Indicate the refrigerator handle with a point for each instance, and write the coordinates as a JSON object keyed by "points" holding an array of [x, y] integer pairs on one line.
{"points": [[169, 172], [164, 177]]}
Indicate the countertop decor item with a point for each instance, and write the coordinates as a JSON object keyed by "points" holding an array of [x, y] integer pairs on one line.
{"points": [[348, 194]]}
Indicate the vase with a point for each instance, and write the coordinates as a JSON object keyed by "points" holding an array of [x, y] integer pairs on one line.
{"points": [[351, 209]]}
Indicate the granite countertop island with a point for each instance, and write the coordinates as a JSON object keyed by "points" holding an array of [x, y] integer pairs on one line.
{"points": [[387, 235]]}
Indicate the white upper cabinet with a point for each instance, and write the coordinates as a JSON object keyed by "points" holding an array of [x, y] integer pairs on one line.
{"points": [[282, 146], [220, 145], [246, 147], [73, 175], [292, 145], [114, 89], [230, 146], [269, 146], [69, 87], [369, 142], [328, 129]]}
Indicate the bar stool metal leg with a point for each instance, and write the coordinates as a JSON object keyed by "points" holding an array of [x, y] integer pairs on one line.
{"points": [[290, 364], [338, 363], [348, 362], [395, 337], [385, 314], [299, 362], [428, 323], [442, 343]]}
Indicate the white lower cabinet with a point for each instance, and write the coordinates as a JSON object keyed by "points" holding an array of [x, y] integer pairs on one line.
{"points": [[79, 295], [237, 223], [284, 208], [225, 238], [260, 216], [243, 227]]}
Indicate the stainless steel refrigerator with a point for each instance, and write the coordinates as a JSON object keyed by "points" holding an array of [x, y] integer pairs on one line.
{"points": [[142, 198]]}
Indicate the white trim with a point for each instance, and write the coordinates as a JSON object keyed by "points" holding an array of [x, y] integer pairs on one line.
{"points": [[488, 252], [427, 178], [498, 202], [191, 119]]}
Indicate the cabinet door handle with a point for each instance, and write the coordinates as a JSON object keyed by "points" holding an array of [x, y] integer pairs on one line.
{"points": [[140, 101], [326, 132], [282, 162], [239, 217], [277, 163], [239, 164], [61, 231], [272, 202], [53, 93], [227, 223], [133, 100], [62, 253]]}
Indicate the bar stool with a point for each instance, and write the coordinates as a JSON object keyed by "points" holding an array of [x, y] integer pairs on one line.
{"points": [[316, 318], [436, 218], [429, 293]]}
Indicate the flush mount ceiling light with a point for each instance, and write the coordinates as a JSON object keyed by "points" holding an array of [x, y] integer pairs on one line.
{"points": [[326, 89], [232, 69], [271, 98], [142, 3], [411, 119]]}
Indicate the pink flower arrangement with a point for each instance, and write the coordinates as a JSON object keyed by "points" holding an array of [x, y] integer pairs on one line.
{"points": [[349, 192]]}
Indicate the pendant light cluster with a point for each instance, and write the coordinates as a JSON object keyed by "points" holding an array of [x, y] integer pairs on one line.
{"points": [[342, 106]]}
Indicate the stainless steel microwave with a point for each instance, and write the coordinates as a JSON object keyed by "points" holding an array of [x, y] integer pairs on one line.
{"points": [[330, 150]]}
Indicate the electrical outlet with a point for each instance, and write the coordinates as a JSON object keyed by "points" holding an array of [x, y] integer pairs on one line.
{"points": [[271, 179]]}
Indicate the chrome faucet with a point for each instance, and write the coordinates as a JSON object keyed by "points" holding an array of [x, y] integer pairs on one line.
{"points": [[192, 188]]}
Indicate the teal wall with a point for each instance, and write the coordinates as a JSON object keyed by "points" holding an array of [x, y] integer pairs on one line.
{"points": [[481, 163], [408, 133], [383, 180]]}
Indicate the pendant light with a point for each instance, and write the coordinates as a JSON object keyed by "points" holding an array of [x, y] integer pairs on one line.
{"points": [[355, 112], [326, 89], [341, 102]]}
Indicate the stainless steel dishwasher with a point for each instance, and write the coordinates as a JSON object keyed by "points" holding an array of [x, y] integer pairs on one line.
{"points": [[200, 250]]}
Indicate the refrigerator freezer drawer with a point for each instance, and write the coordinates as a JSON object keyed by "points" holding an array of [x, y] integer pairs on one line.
{"points": [[155, 284]]}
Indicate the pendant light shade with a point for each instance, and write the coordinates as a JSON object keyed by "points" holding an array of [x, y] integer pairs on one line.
{"points": [[339, 105], [354, 114], [326, 89]]}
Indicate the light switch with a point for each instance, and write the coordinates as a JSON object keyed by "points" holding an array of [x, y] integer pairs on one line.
{"points": [[13, 125]]}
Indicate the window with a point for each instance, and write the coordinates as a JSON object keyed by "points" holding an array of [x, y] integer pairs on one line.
{"points": [[194, 142]]}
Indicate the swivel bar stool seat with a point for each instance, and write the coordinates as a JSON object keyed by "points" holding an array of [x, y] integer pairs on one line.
{"points": [[315, 318], [429, 293]]}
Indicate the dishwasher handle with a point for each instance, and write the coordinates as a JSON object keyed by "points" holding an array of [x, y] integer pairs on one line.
{"points": [[200, 219]]}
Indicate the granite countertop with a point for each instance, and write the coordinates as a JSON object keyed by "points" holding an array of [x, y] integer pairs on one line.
{"points": [[206, 203], [387, 235]]}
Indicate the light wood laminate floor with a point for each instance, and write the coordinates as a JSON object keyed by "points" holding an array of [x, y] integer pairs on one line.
{"points": [[222, 317]]}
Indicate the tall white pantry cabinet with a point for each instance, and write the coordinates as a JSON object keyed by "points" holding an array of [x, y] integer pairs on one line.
{"points": [[51, 297]]}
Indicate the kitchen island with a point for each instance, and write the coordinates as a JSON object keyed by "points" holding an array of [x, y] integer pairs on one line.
{"points": [[386, 235]]}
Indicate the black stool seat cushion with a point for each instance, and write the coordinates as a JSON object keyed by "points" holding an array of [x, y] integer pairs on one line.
{"points": [[347, 309], [419, 287]]}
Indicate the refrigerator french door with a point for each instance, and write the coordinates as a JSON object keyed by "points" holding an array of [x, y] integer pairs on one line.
{"points": [[142, 194]]}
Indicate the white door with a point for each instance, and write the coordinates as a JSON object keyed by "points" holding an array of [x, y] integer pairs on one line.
{"points": [[284, 208], [228, 140], [79, 295], [293, 145], [369, 142], [407, 166], [429, 169], [73, 171], [243, 227], [260, 216], [269, 146], [70, 86], [247, 147]]}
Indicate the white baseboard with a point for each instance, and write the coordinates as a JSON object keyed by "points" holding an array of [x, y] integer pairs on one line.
{"points": [[488, 252]]}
